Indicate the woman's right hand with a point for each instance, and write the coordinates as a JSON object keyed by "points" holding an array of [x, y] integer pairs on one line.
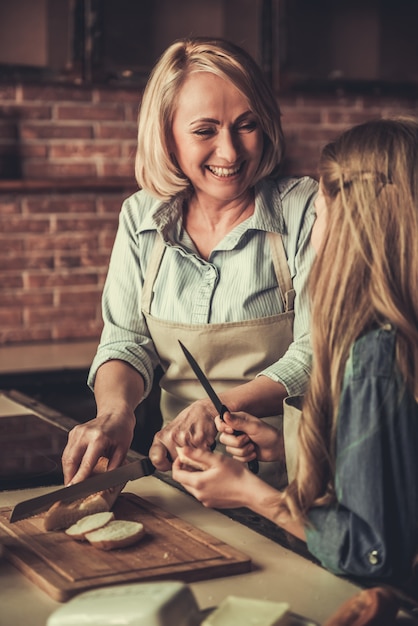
{"points": [[194, 426], [105, 435], [258, 440]]}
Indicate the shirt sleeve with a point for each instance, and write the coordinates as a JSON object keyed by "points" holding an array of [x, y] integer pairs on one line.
{"points": [[125, 335], [293, 369], [372, 530]]}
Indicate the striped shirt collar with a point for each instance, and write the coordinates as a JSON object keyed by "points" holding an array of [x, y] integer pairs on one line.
{"points": [[167, 217]]}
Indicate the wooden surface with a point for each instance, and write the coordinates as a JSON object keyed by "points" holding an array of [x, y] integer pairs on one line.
{"points": [[171, 549]]}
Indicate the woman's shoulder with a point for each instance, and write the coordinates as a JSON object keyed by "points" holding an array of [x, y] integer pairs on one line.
{"points": [[296, 184], [138, 210], [141, 201]]}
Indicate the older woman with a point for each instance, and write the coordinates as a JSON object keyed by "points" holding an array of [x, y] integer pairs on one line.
{"points": [[213, 250]]}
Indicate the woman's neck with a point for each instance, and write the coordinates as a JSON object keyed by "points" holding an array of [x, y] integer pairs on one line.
{"points": [[208, 222]]}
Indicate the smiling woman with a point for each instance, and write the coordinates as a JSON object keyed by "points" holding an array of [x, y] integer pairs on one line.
{"points": [[212, 252]]}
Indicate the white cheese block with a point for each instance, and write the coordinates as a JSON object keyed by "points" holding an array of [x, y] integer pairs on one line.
{"points": [[137, 604], [234, 611]]}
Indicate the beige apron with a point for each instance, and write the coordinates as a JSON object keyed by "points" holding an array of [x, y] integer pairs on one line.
{"points": [[229, 353]]}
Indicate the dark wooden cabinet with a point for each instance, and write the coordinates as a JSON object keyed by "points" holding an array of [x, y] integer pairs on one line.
{"points": [[300, 44]]}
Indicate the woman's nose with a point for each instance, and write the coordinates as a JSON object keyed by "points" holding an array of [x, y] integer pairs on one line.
{"points": [[227, 146]]}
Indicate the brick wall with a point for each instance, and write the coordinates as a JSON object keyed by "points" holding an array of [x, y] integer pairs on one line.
{"points": [[66, 163]]}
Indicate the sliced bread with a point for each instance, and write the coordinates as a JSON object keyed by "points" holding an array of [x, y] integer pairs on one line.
{"points": [[116, 534], [89, 523]]}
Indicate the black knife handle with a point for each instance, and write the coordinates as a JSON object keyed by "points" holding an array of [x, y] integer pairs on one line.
{"points": [[252, 465]]}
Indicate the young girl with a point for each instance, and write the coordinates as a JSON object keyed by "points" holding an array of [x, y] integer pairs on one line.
{"points": [[355, 495]]}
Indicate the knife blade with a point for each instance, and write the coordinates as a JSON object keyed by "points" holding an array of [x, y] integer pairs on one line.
{"points": [[93, 484], [216, 401]]}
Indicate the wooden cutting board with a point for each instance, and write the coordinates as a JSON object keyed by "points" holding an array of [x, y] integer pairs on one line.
{"points": [[171, 549]]}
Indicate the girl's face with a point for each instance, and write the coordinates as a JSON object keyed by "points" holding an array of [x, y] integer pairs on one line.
{"points": [[217, 140], [318, 230]]}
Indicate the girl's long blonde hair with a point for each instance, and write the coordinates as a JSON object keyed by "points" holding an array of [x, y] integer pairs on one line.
{"points": [[366, 274], [155, 169]]}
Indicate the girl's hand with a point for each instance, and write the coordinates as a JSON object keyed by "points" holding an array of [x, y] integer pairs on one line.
{"points": [[258, 439], [223, 483]]}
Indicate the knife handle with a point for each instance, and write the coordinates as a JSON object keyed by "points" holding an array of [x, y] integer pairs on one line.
{"points": [[252, 465]]}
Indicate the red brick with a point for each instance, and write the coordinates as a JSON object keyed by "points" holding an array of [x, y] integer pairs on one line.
{"points": [[56, 131], [63, 203], [12, 336], [11, 281], [61, 314], [94, 225], [124, 170], [31, 111], [84, 295], [84, 150], [11, 244], [117, 95], [54, 93], [89, 112], [29, 298], [74, 241], [20, 224], [7, 92], [117, 131], [40, 169], [56, 279], [11, 317]]}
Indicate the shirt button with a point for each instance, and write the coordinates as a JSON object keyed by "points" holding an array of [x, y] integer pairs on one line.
{"points": [[373, 557]]}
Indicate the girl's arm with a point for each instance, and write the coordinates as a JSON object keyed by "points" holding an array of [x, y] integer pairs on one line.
{"points": [[224, 482], [372, 529]]}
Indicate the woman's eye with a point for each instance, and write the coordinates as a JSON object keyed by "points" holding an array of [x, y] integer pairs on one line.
{"points": [[247, 127], [204, 132]]}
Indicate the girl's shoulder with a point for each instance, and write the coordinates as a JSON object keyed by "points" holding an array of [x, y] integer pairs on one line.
{"points": [[374, 353]]}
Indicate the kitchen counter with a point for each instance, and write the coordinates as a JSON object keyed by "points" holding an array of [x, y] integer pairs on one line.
{"points": [[278, 574]]}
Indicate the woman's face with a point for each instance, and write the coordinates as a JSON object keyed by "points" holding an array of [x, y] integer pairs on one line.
{"points": [[218, 142], [318, 230]]}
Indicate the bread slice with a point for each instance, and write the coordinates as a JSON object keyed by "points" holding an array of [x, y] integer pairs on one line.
{"points": [[89, 523], [116, 534], [62, 515]]}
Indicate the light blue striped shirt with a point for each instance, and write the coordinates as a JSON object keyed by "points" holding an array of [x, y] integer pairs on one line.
{"points": [[236, 283]]}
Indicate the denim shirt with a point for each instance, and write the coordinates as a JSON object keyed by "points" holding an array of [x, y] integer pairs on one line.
{"points": [[372, 529]]}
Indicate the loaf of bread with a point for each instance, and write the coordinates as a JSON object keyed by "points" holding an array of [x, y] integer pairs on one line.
{"points": [[116, 534], [62, 515]]}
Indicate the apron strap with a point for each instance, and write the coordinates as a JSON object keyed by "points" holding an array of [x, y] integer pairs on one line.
{"points": [[282, 270], [280, 264], [154, 263]]}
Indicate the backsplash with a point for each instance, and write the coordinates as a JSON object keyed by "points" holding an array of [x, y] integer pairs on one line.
{"points": [[67, 163]]}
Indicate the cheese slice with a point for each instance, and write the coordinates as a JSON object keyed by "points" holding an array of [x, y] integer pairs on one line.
{"points": [[137, 604], [247, 612]]}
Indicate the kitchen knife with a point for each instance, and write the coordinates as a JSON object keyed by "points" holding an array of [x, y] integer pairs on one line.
{"points": [[216, 401], [93, 484]]}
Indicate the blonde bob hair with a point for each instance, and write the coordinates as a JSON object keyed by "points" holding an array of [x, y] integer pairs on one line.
{"points": [[365, 276], [155, 168]]}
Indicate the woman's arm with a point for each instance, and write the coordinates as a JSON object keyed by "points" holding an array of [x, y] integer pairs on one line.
{"points": [[118, 390]]}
